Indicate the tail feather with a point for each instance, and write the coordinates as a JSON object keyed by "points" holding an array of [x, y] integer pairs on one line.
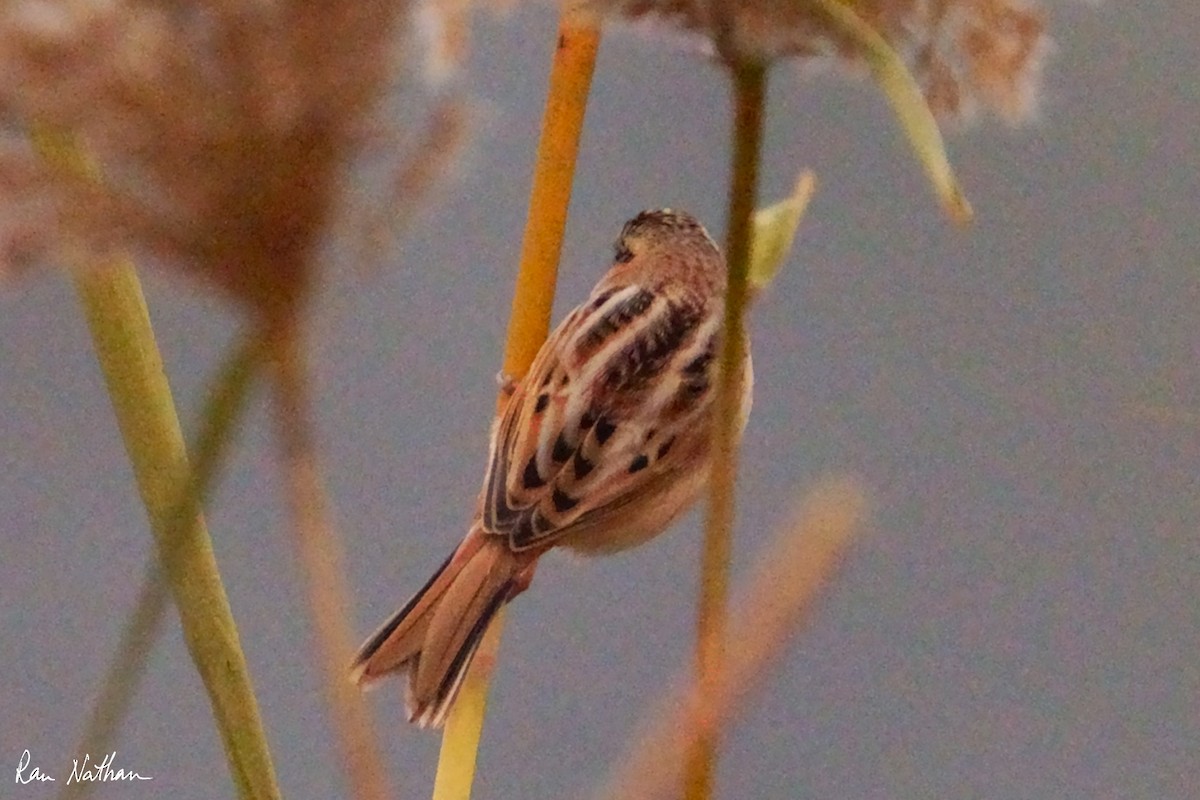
{"points": [[435, 635], [394, 644], [430, 710]]}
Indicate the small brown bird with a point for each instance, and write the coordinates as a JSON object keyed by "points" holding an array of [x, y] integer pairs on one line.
{"points": [[600, 447]]}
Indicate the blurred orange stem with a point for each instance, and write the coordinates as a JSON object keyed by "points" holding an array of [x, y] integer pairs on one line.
{"points": [[533, 297], [319, 552], [776, 601], [749, 99], [550, 195]]}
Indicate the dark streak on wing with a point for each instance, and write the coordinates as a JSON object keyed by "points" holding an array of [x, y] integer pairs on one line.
{"points": [[613, 321], [490, 494], [604, 429], [562, 449], [694, 381], [698, 366], [664, 448], [531, 478], [647, 355], [497, 514], [602, 298], [563, 502], [532, 528]]}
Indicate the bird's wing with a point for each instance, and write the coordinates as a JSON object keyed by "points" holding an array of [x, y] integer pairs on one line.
{"points": [[594, 423]]}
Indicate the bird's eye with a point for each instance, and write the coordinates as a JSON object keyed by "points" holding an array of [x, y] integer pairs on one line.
{"points": [[621, 252]]}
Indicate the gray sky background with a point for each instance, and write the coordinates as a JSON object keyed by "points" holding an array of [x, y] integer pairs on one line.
{"points": [[1022, 619]]}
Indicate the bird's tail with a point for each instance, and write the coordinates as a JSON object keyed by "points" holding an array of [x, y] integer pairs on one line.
{"points": [[435, 635]]}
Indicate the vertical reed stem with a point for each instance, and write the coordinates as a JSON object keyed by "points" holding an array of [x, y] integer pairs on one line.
{"points": [[533, 296], [749, 102]]}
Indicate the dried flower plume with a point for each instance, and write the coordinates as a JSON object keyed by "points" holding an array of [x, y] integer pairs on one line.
{"points": [[218, 131], [966, 54]]}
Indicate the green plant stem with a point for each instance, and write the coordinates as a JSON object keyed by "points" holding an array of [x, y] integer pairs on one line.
{"points": [[219, 420], [749, 101], [124, 342], [123, 339]]}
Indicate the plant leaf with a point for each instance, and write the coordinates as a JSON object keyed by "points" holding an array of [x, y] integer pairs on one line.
{"points": [[774, 231], [908, 102]]}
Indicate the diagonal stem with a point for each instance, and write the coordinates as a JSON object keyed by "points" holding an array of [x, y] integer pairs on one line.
{"points": [[125, 346], [222, 413], [550, 194]]}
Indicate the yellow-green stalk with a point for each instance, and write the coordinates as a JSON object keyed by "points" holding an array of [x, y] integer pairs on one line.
{"points": [[133, 371], [223, 410]]}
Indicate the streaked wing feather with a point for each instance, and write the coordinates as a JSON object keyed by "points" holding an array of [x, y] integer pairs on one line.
{"points": [[591, 426]]}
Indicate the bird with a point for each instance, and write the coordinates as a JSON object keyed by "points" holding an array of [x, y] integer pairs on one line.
{"points": [[601, 445]]}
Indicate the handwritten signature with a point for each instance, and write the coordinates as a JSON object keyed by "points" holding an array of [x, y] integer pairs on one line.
{"points": [[81, 771]]}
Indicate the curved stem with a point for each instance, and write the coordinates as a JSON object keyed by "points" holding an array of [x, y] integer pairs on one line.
{"points": [[908, 102], [775, 601]]}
